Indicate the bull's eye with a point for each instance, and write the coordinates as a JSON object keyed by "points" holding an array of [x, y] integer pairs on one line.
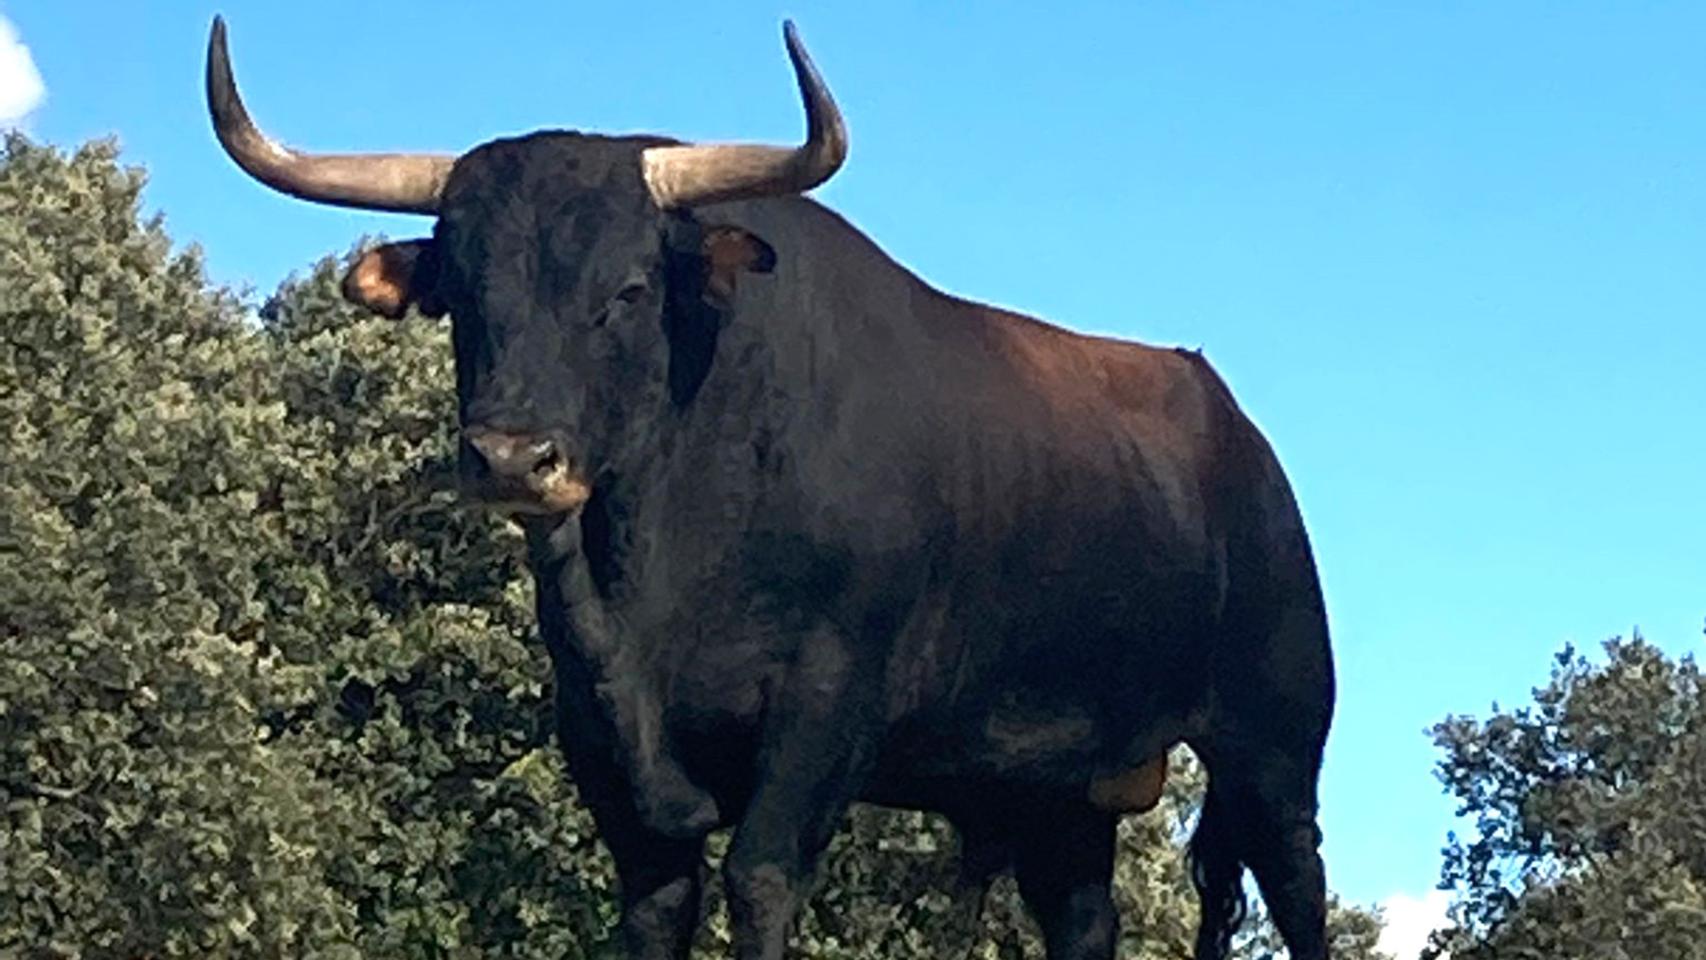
{"points": [[627, 296]]}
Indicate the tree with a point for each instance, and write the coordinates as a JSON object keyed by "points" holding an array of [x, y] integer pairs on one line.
{"points": [[261, 692], [265, 691], [1588, 811], [144, 809]]}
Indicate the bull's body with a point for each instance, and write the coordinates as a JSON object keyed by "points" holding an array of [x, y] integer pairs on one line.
{"points": [[1024, 539], [1007, 562], [806, 530]]}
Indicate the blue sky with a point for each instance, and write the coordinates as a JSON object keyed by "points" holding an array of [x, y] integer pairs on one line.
{"points": [[1451, 258]]}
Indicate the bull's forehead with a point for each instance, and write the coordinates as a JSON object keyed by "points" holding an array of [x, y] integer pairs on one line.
{"points": [[559, 218], [544, 171]]}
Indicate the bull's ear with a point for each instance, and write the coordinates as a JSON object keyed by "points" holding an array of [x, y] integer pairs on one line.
{"points": [[730, 252], [390, 277]]}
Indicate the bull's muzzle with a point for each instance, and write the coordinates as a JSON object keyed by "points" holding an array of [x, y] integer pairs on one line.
{"points": [[520, 473]]}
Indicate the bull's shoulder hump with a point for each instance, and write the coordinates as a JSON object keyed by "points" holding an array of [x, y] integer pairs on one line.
{"points": [[1133, 376]]}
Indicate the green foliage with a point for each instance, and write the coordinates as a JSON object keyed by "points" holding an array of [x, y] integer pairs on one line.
{"points": [[1589, 812], [146, 808], [266, 692], [262, 692]]}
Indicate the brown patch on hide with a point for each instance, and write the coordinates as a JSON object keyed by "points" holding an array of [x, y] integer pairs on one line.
{"points": [[1134, 791]]}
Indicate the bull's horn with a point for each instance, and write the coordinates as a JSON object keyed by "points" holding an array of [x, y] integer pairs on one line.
{"points": [[404, 182], [680, 176]]}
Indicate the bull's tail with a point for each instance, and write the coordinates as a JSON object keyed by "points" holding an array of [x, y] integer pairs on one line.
{"points": [[1218, 874]]}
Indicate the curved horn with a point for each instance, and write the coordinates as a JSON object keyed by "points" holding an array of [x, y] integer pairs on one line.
{"points": [[681, 176], [404, 182]]}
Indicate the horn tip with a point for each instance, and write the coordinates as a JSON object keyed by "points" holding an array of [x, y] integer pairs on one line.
{"points": [[219, 82], [218, 59]]}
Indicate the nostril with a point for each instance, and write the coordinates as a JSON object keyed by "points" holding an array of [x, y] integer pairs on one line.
{"points": [[545, 456], [492, 448]]}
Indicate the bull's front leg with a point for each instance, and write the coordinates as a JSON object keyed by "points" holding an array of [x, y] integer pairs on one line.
{"points": [[661, 877], [820, 738]]}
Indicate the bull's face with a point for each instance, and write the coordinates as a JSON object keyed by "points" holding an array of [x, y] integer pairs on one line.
{"points": [[571, 293], [573, 267], [555, 284]]}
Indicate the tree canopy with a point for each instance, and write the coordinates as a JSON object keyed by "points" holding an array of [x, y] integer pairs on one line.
{"points": [[1589, 815], [266, 692]]}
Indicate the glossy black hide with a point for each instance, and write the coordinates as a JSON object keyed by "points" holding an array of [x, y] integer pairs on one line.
{"points": [[553, 262], [849, 537]]}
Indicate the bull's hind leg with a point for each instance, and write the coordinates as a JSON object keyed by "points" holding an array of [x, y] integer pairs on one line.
{"points": [[1264, 818], [1065, 869], [1264, 761]]}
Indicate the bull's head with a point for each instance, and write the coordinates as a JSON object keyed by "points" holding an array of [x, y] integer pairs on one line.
{"points": [[571, 264]]}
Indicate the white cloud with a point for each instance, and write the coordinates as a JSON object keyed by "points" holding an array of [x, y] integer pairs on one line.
{"points": [[1409, 920], [21, 88]]}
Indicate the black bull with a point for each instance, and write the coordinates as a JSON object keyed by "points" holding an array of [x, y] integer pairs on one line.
{"points": [[806, 531]]}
